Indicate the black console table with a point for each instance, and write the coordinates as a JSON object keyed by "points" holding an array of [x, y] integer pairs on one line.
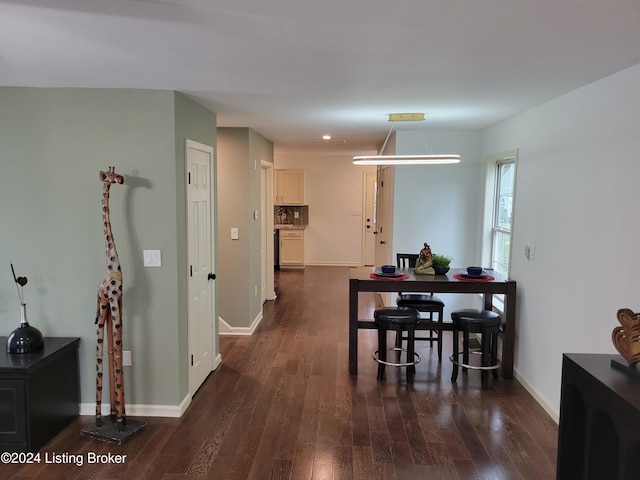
{"points": [[39, 393], [599, 433]]}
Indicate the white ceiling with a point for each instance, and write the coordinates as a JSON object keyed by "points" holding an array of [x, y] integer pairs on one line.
{"points": [[294, 70]]}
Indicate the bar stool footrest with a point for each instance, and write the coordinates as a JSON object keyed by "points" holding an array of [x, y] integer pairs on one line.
{"points": [[416, 356], [493, 366]]}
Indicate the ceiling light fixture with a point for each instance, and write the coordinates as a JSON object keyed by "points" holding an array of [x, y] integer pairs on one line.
{"points": [[427, 159]]}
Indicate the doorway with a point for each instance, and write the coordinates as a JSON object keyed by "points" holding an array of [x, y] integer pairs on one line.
{"points": [[369, 218], [267, 289], [384, 217]]}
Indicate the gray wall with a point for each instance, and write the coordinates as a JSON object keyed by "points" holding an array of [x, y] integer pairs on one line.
{"points": [[240, 151], [54, 142]]}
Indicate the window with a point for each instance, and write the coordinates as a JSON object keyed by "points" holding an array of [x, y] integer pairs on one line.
{"points": [[499, 209], [502, 214]]}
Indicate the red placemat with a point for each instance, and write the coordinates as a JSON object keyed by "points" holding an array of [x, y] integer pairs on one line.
{"points": [[459, 276], [384, 277]]}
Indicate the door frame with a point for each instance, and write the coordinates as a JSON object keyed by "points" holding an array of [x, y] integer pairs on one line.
{"points": [[267, 224], [368, 221], [384, 210]]}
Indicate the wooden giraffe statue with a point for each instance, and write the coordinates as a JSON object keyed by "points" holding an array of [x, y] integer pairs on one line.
{"points": [[109, 316]]}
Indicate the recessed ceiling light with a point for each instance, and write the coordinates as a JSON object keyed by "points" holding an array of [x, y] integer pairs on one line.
{"points": [[326, 137]]}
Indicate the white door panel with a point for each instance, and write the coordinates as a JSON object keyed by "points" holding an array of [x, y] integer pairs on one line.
{"points": [[202, 342]]}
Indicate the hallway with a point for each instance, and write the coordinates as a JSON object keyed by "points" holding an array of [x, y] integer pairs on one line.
{"points": [[283, 406]]}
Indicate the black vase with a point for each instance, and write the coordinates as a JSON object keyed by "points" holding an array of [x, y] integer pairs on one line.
{"points": [[25, 338]]}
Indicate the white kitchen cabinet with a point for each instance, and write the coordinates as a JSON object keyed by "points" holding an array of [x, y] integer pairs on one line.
{"points": [[288, 187], [291, 248]]}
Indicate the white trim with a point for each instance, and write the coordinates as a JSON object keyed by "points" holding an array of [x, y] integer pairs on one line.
{"points": [[489, 197], [216, 362], [268, 167], [542, 401], [143, 410], [226, 329]]}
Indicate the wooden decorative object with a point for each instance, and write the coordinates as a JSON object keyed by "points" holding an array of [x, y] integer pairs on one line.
{"points": [[626, 338], [109, 316]]}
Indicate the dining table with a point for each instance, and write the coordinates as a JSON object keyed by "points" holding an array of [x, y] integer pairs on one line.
{"points": [[368, 279]]}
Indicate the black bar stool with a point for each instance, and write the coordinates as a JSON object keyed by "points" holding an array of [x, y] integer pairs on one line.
{"points": [[425, 303], [487, 324], [400, 319]]}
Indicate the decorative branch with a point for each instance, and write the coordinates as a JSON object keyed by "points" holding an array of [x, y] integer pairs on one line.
{"points": [[20, 283]]}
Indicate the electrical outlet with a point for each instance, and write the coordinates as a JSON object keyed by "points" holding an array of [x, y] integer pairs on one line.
{"points": [[126, 358]]}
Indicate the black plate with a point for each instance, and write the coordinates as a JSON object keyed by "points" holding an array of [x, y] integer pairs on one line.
{"points": [[380, 273], [466, 274]]}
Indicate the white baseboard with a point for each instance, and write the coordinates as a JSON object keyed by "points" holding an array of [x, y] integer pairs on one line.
{"points": [[142, 410], [225, 329], [546, 406], [216, 362]]}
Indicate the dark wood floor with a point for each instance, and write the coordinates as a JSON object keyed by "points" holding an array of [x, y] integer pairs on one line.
{"points": [[283, 406]]}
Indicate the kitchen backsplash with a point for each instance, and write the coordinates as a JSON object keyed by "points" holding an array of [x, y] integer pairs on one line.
{"points": [[291, 215]]}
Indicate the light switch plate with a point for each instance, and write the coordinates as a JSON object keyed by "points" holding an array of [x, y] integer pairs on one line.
{"points": [[235, 235], [152, 258]]}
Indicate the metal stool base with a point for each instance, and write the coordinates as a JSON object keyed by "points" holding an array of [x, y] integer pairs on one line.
{"points": [[494, 366], [392, 364]]}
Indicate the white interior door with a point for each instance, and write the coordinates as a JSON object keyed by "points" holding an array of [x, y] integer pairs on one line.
{"points": [[200, 285], [369, 219]]}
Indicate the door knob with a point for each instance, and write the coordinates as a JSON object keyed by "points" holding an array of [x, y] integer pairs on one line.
{"points": [[211, 276]]}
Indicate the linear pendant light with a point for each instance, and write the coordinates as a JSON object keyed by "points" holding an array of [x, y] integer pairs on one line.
{"points": [[426, 159], [405, 159]]}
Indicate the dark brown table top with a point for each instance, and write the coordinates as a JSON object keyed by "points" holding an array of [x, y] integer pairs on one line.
{"points": [[437, 283]]}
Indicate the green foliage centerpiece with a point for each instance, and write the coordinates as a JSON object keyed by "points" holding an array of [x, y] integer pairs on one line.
{"points": [[441, 264]]}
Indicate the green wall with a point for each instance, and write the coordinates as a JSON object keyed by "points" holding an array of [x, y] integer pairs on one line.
{"points": [[240, 151], [53, 143]]}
